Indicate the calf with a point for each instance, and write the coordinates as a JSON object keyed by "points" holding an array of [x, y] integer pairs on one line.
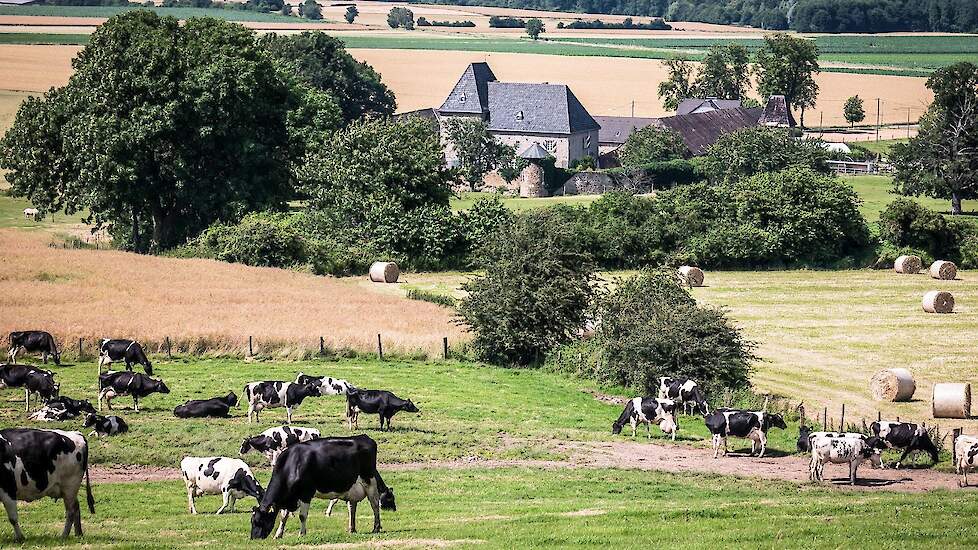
{"points": [[648, 411], [380, 402], [683, 391], [331, 468], [218, 475], [44, 463], [904, 436], [33, 341], [32, 379], [273, 441], [325, 384], [842, 448], [62, 408], [114, 384], [128, 351], [966, 453], [105, 425], [753, 425], [271, 394], [219, 407]]}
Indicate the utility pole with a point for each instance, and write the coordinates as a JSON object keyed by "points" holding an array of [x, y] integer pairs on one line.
{"points": [[877, 119], [908, 122], [633, 108]]}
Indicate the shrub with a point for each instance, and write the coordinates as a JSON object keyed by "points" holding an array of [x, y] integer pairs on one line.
{"points": [[432, 297], [905, 224], [649, 326], [616, 230], [759, 150], [260, 239], [651, 144], [534, 293]]}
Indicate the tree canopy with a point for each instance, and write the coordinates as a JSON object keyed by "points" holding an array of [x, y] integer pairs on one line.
{"points": [[679, 85], [724, 72], [787, 66], [651, 144], [853, 110]]}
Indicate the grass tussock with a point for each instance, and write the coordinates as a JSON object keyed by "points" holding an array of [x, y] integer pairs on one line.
{"points": [[204, 307]]}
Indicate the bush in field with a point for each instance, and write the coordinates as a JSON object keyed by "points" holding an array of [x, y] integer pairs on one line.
{"points": [[617, 230], [260, 239], [480, 224], [649, 326], [757, 150], [907, 226], [651, 144], [534, 294]]}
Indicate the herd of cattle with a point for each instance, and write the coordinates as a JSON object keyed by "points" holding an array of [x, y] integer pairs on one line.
{"points": [[36, 463]]}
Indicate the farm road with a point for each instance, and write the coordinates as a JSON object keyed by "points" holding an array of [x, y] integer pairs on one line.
{"points": [[641, 456]]}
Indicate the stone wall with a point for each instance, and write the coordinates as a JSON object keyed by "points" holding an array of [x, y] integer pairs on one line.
{"points": [[596, 183]]}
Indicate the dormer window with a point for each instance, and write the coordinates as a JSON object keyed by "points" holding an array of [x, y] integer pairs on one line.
{"points": [[461, 97], [519, 115]]}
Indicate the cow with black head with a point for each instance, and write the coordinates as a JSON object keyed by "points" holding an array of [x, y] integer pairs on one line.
{"points": [[32, 379], [115, 384], [753, 425], [380, 402], [905, 436], [33, 341], [128, 351], [218, 475], [62, 408], [273, 441], [215, 407], [684, 392]]}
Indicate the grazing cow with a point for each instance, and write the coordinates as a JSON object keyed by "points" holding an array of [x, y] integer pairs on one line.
{"points": [[807, 433], [105, 425], [218, 475], [966, 451], [33, 341], [32, 379], [44, 463], [273, 441], [31, 214], [380, 402], [648, 411], [753, 425], [842, 448], [113, 384], [684, 391], [331, 468], [803, 445], [905, 436], [219, 407], [128, 351], [271, 394], [62, 408], [326, 385]]}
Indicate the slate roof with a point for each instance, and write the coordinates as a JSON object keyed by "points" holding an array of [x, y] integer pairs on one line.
{"points": [[777, 113], [470, 94], [701, 130], [687, 106], [535, 152], [616, 129], [536, 108]]}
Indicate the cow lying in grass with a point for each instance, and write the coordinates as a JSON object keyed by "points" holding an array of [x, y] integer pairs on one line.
{"points": [[105, 425], [216, 407]]}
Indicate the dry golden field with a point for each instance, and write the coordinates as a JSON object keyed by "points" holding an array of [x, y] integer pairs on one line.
{"points": [[203, 306]]}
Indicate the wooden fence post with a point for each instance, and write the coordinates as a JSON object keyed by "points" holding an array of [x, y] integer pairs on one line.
{"points": [[251, 350], [879, 416], [79, 349], [825, 419], [169, 349], [380, 348], [444, 347], [842, 419]]}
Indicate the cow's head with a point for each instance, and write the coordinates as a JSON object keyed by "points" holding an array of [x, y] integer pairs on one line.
{"points": [[873, 448], [616, 428], [245, 482], [148, 367], [90, 420], [387, 500], [773, 421], [262, 522], [57, 358], [258, 443], [161, 387], [409, 407], [232, 399]]}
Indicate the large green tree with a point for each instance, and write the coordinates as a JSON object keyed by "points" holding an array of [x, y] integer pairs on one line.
{"points": [[652, 144], [162, 129], [679, 85], [478, 152], [534, 28], [323, 63], [724, 72], [942, 160], [787, 66], [853, 110], [758, 150]]}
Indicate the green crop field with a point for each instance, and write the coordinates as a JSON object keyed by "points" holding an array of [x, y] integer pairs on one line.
{"points": [[44, 38], [180, 13]]}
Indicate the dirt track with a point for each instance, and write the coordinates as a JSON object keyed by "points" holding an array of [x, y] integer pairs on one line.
{"points": [[642, 456]]}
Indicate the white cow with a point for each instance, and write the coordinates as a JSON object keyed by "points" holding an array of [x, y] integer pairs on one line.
{"points": [[845, 448], [218, 475], [31, 214], [966, 451]]}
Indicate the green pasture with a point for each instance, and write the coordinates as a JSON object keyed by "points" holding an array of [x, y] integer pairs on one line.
{"points": [[534, 508]]}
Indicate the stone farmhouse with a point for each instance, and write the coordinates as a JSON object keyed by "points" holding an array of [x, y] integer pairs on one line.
{"points": [[522, 115]]}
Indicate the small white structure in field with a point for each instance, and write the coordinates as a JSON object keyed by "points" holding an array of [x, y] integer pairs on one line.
{"points": [[692, 275], [31, 214], [908, 264], [938, 301], [952, 400], [384, 272], [943, 270]]}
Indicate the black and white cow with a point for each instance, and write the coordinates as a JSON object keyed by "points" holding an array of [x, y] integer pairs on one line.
{"points": [[44, 463], [379, 402], [273, 441], [966, 451], [113, 384], [684, 392], [331, 468], [806, 432], [219, 407], [129, 351], [218, 475], [753, 425], [32, 379], [33, 341], [906, 437], [327, 385], [105, 425], [62, 408], [843, 448], [272, 394], [648, 411]]}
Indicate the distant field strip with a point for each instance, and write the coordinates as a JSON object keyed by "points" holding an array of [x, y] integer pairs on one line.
{"points": [[44, 38], [180, 13]]}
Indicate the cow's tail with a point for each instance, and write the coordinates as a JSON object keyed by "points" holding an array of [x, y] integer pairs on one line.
{"points": [[625, 415], [88, 483]]}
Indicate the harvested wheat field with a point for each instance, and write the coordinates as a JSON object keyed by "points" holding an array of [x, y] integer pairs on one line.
{"points": [[203, 306], [608, 86], [35, 68]]}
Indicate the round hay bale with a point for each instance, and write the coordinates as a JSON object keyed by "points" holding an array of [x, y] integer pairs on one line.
{"points": [[945, 271], [938, 301], [384, 272], [693, 275], [952, 400], [908, 264], [892, 385]]}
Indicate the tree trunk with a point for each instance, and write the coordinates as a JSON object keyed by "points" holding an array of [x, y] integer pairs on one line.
{"points": [[955, 203], [136, 246], [162, 230], [802, 120]]}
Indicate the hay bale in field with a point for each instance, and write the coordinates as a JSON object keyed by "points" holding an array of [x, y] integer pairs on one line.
{"points": [[908, 264], [938, 301], [952, 400], [692, 275], [892, 385], [943, 270], [384, 272]]}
